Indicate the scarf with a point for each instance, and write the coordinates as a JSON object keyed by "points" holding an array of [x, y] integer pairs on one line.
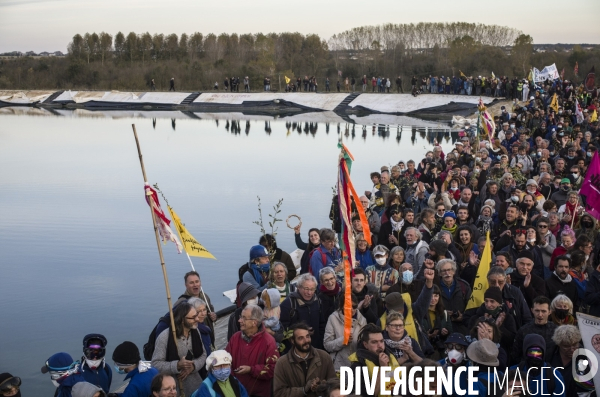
{"points": [[451, 229], [333, 292], [579, 276], [396, 226], [568, 279], [283, 291], [259, 273]]}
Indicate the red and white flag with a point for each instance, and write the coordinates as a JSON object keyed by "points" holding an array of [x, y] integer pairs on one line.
{"points": [[162, 222]]}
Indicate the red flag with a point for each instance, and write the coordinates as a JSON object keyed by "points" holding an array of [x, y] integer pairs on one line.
{"points": [[590, 189], [590, 81], [576, 70]]}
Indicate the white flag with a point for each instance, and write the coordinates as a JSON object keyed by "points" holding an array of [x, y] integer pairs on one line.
{"points": [[587, 359]]}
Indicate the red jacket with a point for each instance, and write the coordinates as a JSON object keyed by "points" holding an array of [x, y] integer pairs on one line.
{"points": [[261, 355]]}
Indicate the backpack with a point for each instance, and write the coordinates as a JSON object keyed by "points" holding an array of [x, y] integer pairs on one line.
{"points": [[148, 349], [323, 259], [243, 269]]}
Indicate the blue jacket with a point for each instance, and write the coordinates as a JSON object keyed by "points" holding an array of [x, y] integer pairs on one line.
{"points": [[101, 376], [365, 259], [64, 390], [210, 387], [332, 259], [205, 335], [139, 383]]}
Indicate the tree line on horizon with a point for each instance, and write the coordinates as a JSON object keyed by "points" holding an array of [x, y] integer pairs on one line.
{"points": [[129, 62]]}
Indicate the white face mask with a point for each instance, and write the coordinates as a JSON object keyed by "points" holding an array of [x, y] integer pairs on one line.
{"points": [[531, 191], [380, 261], [93, 363], [455, 357], [55, 383], [253, 301]]}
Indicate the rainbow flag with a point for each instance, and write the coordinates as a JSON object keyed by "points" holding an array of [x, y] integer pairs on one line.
{"points": [[346, 192], [486, 120]]}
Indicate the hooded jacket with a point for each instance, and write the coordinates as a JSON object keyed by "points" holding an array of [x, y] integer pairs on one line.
{"points": [[139, 383], [556, 286], [545, 332], [101, 376], [415, 254], [539, 382], [64, 390], [334, 338]]}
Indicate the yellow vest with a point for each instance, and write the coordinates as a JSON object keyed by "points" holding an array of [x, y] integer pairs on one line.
{"points": [[409, 322], [370, 365]]}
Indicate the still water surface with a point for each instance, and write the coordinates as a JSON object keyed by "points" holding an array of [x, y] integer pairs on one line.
{"points": [[77, 248]]}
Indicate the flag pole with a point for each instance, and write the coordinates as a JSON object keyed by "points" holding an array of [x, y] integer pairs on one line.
{"points": [[160, 253], [201, 289]]}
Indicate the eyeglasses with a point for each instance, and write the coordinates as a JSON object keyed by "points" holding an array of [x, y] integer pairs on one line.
{"points": [[521, 231], [454, 346], [396, 326], [308, 289], [542, 226]]}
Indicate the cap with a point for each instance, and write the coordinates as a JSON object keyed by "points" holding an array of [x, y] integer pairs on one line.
{"points": [[458, 338], [502, 107], [565, 180], [218, 357], [58, 362], [126, 353], [459, 143], [380, 250], [394, 302]]}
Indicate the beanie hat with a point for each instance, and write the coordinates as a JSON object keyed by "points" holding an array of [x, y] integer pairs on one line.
{"points": [[487, 206], [531, 182], [493, 293], [271, 297], [394, 302], [246, 292], [450, 214], [126, 353], [526, 254], [490, 203]]}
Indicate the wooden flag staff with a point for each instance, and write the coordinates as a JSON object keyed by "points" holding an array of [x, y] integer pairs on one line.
{"points": [[160, 253]]}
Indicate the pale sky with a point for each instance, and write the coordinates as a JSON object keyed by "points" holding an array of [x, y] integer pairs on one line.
{"points": [[49, 25]]}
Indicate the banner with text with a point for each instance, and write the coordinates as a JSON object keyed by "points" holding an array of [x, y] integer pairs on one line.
{"points": [[549, 72]]}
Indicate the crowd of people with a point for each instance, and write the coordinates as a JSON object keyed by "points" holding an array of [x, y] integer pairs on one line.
{"points": [[410, 286]]}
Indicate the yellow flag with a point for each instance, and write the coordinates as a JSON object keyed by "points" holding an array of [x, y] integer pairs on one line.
{"points": [[190, 244], [530, 77], [462, 74], [287, 79], [493, 76], [481, 283], [593, 117], [554, 103]]}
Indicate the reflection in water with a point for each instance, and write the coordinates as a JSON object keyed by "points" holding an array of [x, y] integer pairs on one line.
{"points": [[348, 130], [173, 124], [154, 123]]}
